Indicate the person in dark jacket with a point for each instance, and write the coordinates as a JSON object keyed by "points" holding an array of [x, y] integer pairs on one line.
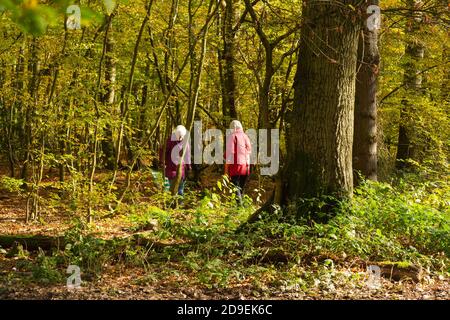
{"points": [[237, 155], [174, 151]]}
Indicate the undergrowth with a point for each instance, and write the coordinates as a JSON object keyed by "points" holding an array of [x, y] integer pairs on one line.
{"points": [[406, 221]]}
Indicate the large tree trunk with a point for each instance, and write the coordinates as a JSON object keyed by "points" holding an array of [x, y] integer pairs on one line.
{"points": [[320, 133], [365, 135], [414, 52]]}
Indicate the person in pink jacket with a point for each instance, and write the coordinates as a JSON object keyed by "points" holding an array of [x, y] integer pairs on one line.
{"points": [[237, 155]]}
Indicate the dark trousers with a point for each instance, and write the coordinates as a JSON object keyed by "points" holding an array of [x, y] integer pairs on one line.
{"points": [[239, 182]]}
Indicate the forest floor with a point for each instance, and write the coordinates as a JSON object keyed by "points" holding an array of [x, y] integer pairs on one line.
{"points": [[119, 283], [172, 280]]}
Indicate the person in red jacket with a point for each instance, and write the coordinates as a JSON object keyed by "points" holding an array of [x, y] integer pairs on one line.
{"points": [[172, 157], [237, 155]]}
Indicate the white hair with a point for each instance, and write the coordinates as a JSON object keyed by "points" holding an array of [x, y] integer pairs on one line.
{"points": [[235, 124], [180, 132]]}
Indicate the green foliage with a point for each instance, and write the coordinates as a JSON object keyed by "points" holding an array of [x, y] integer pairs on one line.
{"points": [[30, 16], [407, 225], [35, 18], [404, 223], [85, 250], [45, 269], [383, 222], [11, 184], [137, 257], [148, 217], [426, 112]]}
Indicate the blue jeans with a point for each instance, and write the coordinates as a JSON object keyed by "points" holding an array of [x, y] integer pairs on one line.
{"points": [[180, 187]]}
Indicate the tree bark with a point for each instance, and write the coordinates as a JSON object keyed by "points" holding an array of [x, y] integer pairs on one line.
{"points": [[365, 132], [229, 87], [320, 130], [33, 68], [108, 148]]}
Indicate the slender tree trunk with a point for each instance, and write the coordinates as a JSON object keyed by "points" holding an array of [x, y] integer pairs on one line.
{"points": [[142, 113], [108, 148], [264, 93], [229, 87], [445, 87], [130, 86], [33, 68], [414, 52], [270, 69], [97, 99], [265, 85], [62, 133], [193, 106], [18, 105], [320, 131], [365, 134]]}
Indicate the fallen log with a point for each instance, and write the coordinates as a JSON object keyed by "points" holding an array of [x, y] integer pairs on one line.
{"points": [[399, 271], [32, 242], [47, 243]]}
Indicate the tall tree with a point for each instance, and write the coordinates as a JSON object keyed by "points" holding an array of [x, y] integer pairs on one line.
{"points": [[414, 53], [109, 94], [33, 87], [320, 130], [226, 61], [445, 87], [270, 65], [365, 131]]}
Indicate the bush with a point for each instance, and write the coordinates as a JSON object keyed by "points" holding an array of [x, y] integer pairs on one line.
{"points": [[382, 222], [46, 269], [11, 184]]}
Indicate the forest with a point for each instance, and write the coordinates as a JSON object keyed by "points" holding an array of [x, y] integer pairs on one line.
{"points": [[340, 106]]}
